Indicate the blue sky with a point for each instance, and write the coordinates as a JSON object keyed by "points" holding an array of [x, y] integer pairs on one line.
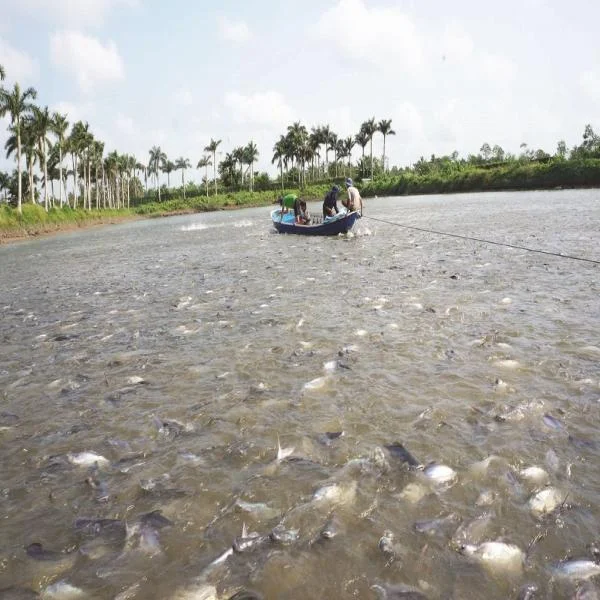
{"points": [[451, 76]]}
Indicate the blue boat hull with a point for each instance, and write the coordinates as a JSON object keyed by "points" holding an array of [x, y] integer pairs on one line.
{"points": [[342, 223]]}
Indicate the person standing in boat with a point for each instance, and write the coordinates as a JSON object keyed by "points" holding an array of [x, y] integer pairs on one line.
{"points": [[301, 214], [330, 207], [353, 202], [287, 202]]}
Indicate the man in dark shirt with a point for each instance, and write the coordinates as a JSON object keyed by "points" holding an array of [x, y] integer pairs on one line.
{"points": [[330, 207], [301, 215]]}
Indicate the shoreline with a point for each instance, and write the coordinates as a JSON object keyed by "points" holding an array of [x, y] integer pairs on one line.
{"points": [[14, 236]]}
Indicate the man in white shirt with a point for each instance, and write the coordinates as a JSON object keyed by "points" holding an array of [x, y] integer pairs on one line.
{"points": [[354, 201]]}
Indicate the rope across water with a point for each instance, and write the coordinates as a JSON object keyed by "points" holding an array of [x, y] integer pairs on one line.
{"points": [[483, 241]]}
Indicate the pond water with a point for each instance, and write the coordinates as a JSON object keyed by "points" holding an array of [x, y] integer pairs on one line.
{"points": [[156, 365]]}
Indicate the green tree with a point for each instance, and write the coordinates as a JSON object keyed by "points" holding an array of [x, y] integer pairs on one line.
{"points": [[212, 148], [385, 128], [17, 104], [362, 139], [369, 128], [59, 128], [561, 150], [251, 156], [183, 164], [167, 166], [157, 157], [486, 151], [41, 122], [205, 162]]}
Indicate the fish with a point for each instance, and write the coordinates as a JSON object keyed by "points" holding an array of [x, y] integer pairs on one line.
{"points": [[397, 450], [534, 475], [545, 501], [388, 546], [472, 531], [552, 422], [36, 551], [87, 459], [63, 590], [246, 595], [331, 529], [397, 592], [281, 535], [155, 519], [576, 569], [586, 591], [257, 508], [528, 591], [435, 526], [335, 493], [496, 556], [329, 436], [171, 427], [108, 528], [283, 453], [440, 474], [248, 541], [200, 591]]}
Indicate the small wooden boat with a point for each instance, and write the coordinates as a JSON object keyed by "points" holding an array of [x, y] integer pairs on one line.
{"points": [[340, 223]]}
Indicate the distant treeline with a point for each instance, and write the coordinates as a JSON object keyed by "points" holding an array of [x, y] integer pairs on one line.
{"points": [[536, 174]]}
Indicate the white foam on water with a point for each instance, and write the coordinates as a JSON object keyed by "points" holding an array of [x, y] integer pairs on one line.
{"points": [[194, 227], [243, 223]]}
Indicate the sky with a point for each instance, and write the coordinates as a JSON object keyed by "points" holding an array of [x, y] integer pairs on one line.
{"points": [[450, 75]]}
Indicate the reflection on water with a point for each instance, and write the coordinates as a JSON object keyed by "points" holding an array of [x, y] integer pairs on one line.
{"points": [[196, 406]]}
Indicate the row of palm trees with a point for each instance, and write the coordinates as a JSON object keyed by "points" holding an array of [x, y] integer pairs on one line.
{"points": [[44, 138], [299, 148]]}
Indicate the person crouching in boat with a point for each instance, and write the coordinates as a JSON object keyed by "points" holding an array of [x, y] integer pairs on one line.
{"points": [[330, 207], [287, 203], [301, 214], [353, 202]]}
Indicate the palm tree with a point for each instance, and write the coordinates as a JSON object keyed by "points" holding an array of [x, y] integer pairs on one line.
{"points": [[157, 157], [59, 128], [278, 157], [183, 164], [385, 128], [167, 166], [41, 122], [79, 140], [251, 156], [205, 162], [212, 147], [369, 128], [349, 144], [325, 132], [2, 73], [362, 139], [17, 105], [238, 155]]}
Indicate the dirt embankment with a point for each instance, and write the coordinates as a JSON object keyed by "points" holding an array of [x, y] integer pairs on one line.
{"points": [[20, 234]]}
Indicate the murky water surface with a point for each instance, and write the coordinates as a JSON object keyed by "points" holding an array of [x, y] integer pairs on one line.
{"points": [[153, 366]]}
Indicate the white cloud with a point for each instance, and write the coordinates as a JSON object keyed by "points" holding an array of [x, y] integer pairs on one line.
{"points": [[456, 43], [18, 65], [380, 36], [124, 124], [85, 111], [68, 12], [87, 59], [407, 122], [234, 31], [262, 108], [183, 96], [497, 69], [590, 83]]}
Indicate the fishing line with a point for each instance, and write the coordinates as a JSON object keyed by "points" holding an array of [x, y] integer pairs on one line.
{"points": [[474, 239]]}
